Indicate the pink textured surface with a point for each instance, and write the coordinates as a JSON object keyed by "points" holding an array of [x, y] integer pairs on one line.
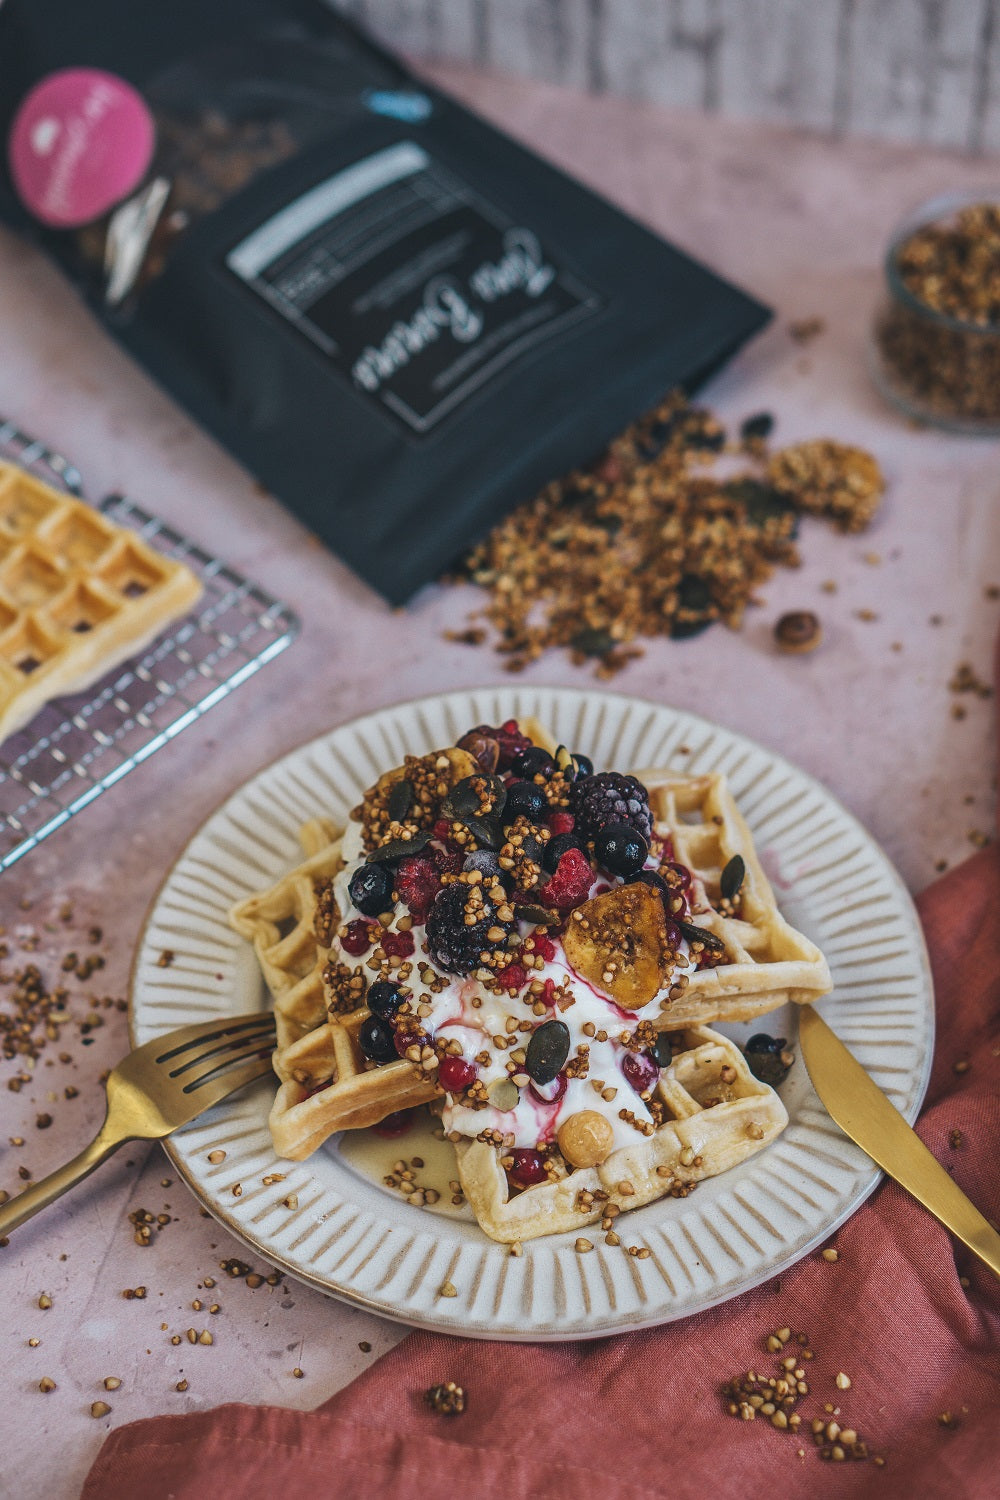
{"points": [[801, 222]]}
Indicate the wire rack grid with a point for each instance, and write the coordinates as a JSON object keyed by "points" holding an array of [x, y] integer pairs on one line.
{"points": [[78, 746]]}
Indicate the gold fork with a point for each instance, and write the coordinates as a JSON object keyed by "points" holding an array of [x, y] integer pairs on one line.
{"points": [[156, 1089]]}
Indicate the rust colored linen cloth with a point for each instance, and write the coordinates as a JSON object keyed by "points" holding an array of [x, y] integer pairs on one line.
{"points": [[908, 1314]]}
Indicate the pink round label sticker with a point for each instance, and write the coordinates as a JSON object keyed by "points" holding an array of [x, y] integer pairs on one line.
{"points": [[80, 142]]}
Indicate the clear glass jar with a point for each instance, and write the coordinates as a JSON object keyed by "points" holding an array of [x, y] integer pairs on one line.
{"points": [[933, 365]]}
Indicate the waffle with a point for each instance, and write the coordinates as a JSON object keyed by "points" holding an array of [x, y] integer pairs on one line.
{"points": [[710, 1126], [769, 962], [324, 1084], [77, 595], [279, 922]]}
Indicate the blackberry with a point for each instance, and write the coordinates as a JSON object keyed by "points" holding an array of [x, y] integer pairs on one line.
{"points": [[453, 945], [607, 798]]}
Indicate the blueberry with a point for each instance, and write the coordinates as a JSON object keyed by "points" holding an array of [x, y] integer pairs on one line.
{"points": [[533, 761], [584, 765], [370, 889], [384, 999], [526, 800], [556, 848], [377, 1040], [620, 849]]}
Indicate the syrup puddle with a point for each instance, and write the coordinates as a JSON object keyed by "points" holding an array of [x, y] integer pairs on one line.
{"points": [[373, 1157]]}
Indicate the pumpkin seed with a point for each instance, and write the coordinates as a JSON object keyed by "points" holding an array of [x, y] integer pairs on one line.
{"points": [[662, 1050], [486, 831], [539, 915], [400, 800], [400, 848], [702, 935], [465, 799], [732, 877], [504, 1095], [547, 1051]]}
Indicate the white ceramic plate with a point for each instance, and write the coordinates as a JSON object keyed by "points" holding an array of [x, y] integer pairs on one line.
{"points": [[357, 1239]]}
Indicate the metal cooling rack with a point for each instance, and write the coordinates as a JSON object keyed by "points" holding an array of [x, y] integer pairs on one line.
{"points": [[77, 747]]}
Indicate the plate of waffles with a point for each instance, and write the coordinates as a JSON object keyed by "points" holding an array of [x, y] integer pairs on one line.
{"points": [[536, 957]]}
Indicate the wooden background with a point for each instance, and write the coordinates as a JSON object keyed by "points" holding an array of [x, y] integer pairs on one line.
{"points": [[916, 70]]}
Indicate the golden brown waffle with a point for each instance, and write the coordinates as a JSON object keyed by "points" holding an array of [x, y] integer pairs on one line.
{"points": [[327, 1085], [769, 962], [279, 924], [716, 1115], [77, 595]]}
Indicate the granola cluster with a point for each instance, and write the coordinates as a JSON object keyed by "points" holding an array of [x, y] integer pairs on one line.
{"points": [[658, 538]]}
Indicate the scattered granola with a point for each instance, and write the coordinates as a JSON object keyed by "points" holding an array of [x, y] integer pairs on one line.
{"points": [[448, 1399], [798, 631], [655, 540]]}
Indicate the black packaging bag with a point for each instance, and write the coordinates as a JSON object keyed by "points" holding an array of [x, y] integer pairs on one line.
{"points": [[400, 320]]}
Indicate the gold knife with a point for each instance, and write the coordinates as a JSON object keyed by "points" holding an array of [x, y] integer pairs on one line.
{"points": [[864, 1113]]}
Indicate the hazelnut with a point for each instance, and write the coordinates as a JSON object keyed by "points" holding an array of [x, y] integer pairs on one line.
{"points": [[798, 631], [586, 1138]]}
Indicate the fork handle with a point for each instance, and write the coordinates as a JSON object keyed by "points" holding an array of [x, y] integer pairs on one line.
{"points": [[40, 1194]]}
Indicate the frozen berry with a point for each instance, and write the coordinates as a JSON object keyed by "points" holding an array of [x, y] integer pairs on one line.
{"points": [[765, 1058], [584, 765], [641, 1070], [512, 977], [454, 944], [620, 849], [560, 822], [607, 798], [384, 998], [377, 1040], [455, 1074], [417, 882], [370, 889], [556, 848], [398, 944], [544, 946], [531, 762], [509, 738], [570, 885], [357, 937], [525, 800], [527, 1168]]}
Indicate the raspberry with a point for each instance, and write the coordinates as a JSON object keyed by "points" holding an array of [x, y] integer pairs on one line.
{"points": [[447, 860], [544, 946], [561, 822], [417, 883], [571, 882], [455, 945], [441, 829], [397, 944], [610, 798], [513, 977], [358, 937]]}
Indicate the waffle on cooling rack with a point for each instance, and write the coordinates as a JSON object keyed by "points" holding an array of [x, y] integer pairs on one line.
{"points": [[78, 595]]}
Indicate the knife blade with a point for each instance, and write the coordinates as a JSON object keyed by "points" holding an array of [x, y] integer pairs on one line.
{"points": [[863, 1112]]}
